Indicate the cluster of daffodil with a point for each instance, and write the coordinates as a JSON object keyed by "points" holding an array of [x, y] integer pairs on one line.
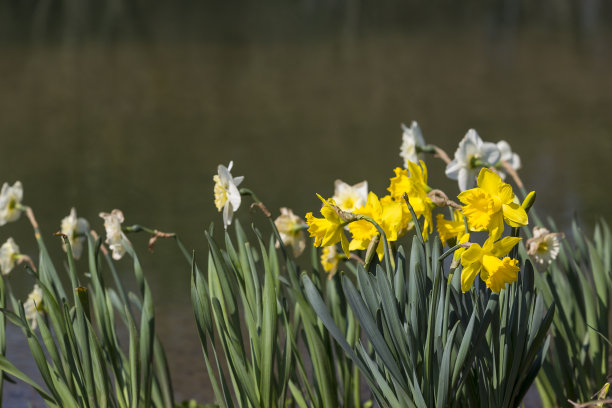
{"points": [[489, 206]]}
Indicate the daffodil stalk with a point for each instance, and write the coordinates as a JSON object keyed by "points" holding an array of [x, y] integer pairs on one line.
{"points": [[435, 150]]}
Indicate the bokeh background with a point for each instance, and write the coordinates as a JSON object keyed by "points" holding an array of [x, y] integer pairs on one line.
{"points": [[132, 104]]}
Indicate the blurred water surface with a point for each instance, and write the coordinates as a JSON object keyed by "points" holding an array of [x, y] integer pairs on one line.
{"points": [[132, 105]]}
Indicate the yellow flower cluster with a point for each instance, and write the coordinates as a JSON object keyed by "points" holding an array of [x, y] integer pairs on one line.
{"points": [[488, 207]]}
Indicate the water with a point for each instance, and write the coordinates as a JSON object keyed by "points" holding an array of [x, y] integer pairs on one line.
{"points": [[133, 106]]}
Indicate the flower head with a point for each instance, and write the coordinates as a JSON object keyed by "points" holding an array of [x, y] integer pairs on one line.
{"points": [[115, 238], [413, 182], [9, 255], [330, 259], [508, 155], [33, 306], [544, 246], [487, 206], [495, 272], [290, 228], [227, 196], [75, 229], [411, 139], [468, 157], [10, 198], [349, 198], [450, 230], [330, 229], [387, 213]]}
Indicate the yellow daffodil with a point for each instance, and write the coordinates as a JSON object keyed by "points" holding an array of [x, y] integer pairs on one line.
{"points": [[488, 205], [330, 229], [329, 260], [495, 272], [388, 215], [450, 230], [413, 181]]}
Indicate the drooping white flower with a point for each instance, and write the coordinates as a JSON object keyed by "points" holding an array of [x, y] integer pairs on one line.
{"points": [[9, 255], [411, 138], [508, 155], [10, 197], [227, 196], [349, 198], [115, 238], [75, 229], [290, 228], [33, 306], [544, 246], [464, 167]]}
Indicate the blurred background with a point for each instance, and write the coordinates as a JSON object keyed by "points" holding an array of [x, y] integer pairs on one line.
{"points": [[132, 104]]}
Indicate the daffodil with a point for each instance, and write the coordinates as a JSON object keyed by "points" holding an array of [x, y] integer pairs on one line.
{"points": [[469, 157], [487, 206], [349, 198], [450, 230], [387, 213], [9, 255], [330, 260], [544, 246], [330, 229], [413, 182], [227, 196], [290, 228], [33, 306], [75, 229], [508, 155], [10, 199], [412, 138], [495, 272], [115, 238]]}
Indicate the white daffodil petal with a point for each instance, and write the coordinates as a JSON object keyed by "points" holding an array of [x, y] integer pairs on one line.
{"points": [[490, 153]]}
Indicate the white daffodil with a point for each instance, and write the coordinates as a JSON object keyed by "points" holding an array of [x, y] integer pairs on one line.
{"points": [[290, 228], [464, 167], [115, 238], [227, 196], [75, 229], [544, 246], [9, 255], [411, 138], [33, 306], [349, 198], [508, 155], [10, 198]]}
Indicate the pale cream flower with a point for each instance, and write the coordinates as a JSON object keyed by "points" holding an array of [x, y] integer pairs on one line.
{"points": [[75, 229], [33, 306], [349, 198], [291, 229], [411, 139], [544, 247], [330, 258], [10, 198], [115, 238], [9, 255], [465, 167], [227, 195]]}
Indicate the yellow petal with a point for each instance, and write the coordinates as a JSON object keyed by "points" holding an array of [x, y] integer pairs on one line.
{"points": [[496, 226], [345, 245], [471, 255], [468, 274], [489, 181], [504, 245], [515, 215]]}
